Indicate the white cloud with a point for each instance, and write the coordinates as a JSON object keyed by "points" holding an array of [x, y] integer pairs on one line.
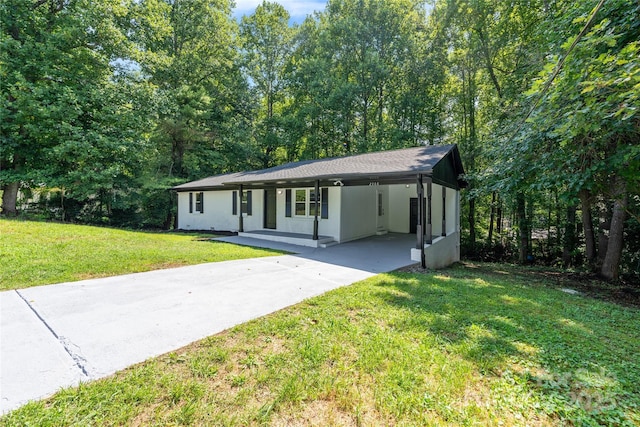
{"points": [[297, 8]]}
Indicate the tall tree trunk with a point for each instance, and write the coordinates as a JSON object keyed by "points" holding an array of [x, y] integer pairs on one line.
{"points": [[587, 226], [10, 199], [492, 218], [472, 223], [569, 236], [603, 231], [611, 265], [521, 215], [499, 216]]}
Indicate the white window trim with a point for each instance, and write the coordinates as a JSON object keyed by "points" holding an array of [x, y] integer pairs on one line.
{"points": [[307, 203]]}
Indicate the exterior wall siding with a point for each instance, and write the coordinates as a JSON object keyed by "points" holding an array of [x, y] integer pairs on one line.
{"points": [[452, 212], [216, 216], [436, 207], [255, 221], [304, 225], [443, 252], [218, 212], [353, 212], [359, 212], [398, 212]]}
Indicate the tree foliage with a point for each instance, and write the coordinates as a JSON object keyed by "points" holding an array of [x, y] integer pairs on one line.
{"points": [[107, 104], [67, 120]]}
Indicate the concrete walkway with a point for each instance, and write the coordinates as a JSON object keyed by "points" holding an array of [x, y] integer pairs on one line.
{"points": [[56, 336]]}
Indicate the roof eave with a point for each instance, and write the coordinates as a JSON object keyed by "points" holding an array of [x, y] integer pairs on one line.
{"points": [[348, 177]]}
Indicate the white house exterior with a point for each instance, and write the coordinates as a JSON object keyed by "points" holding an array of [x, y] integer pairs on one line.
{"points": [[358, 196]]}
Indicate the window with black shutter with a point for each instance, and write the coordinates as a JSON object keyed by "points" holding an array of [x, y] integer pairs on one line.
{"points": [[287, 203], [246, 202], [234, 203], [200, 202], [324, 203]]}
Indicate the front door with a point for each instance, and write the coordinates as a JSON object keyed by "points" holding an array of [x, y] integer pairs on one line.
{"points": [[270, 208], [413, 214]]}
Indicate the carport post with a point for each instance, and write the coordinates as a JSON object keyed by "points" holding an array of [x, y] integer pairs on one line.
{"points": [[315, 216], [419, 225], [429, 226], [240, 223]]}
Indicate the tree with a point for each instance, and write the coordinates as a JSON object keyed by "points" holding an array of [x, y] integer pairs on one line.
{"points": [[492, 50], [188, 50], [267, 46], [587, 125], [57, 64], [357, 74]]}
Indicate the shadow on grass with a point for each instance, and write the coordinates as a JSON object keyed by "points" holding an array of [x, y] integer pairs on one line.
{"points": [[578, 356]]}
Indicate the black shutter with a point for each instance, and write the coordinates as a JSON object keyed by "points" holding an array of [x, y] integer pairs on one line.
{"points": [[249, 202], [234, 203], [324, 207], [201, 202], [287, 203], [190, 202]]}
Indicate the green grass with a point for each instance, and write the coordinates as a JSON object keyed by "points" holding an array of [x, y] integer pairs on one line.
{"points": [[462, 347], [38, 253]]}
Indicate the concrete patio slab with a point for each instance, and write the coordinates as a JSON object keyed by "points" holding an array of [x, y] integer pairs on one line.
{"points": [[59, 335]]}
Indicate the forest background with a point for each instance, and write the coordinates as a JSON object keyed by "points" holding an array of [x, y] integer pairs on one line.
{"points": [[106, 104]]}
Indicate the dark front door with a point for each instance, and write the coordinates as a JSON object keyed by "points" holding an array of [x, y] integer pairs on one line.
{"points": [[270, 208], [413, 214]]}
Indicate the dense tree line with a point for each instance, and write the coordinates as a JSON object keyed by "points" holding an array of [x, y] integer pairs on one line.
{"points": [[106, 104]]}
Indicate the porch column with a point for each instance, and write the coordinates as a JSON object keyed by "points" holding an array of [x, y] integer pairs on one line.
{"points": [[429, 219], [444, 210], [240, 223], [315, 216], [419, 225]]}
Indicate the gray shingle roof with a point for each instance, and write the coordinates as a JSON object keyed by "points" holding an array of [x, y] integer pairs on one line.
{"points": [[365, 166], [209, 182]]}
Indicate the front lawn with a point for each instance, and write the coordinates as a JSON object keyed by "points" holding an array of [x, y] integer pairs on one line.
{"points": [[463, 346], [39, 253]]}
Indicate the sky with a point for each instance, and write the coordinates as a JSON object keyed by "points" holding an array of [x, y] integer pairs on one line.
{"points": [[299, 9]]}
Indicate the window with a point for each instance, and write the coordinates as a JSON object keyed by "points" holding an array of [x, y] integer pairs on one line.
{"points": [[245, 203], [305, 203], [301, 203], [200, 202], [199, 205], [312, 202]]}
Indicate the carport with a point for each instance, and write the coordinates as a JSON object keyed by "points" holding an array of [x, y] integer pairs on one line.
{"points": [[323, 202]]}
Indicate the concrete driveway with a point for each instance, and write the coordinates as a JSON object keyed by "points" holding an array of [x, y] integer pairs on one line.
{"points": [[56, 336]]}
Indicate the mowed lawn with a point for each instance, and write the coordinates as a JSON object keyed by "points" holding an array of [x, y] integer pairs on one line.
{"points": [[38, 253], [475, 345]]}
